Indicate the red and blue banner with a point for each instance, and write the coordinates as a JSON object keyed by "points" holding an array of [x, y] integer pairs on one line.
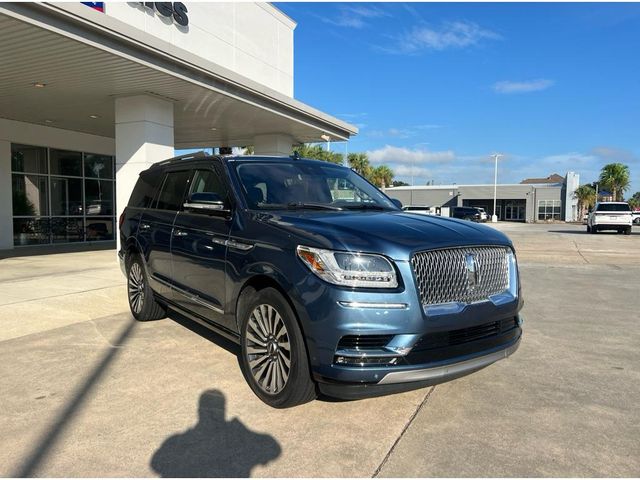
{"points": [[99, 6]]}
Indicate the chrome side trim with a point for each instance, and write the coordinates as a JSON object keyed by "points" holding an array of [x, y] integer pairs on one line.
{"points": [[447, 370], [368, 353], [233, 244], [238, 245], [192, 297], [389, 306]]}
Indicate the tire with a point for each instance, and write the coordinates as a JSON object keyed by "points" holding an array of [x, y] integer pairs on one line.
{"points": [[142, 302], [273, 355], [594, 229], [627, 231], [588, 229]]}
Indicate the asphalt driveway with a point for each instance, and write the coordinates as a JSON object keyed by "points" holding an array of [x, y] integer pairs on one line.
{"points": [[86, 391]]}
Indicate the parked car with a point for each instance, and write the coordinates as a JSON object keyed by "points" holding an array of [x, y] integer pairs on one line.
{"points": [[421, 209], [610, 216], [349, 297], [635, 215], [474, 214]]}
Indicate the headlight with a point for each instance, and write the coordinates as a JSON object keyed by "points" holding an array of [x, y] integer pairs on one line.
{"points": [[349, 269], [513, 273]]}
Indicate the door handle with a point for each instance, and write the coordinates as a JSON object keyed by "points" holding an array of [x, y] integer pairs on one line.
{"points": [[180, 233], [145, 226]]}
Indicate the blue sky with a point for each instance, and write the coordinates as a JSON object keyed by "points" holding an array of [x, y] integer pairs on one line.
{"points": [[437, 87]]}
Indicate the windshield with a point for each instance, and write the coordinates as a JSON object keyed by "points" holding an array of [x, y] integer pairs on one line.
{"points": [[613, 207], [306, 185]]}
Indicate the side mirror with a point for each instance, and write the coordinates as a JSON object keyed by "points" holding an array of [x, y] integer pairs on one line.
{"points": [[205, 202], [396, 202]]}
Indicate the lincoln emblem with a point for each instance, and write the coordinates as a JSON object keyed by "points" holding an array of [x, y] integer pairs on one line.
{"points": [[473, 275]]}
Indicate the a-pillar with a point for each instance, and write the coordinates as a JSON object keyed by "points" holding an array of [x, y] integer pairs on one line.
{"points": [[6, 202], [272, 144], [144, 136]]}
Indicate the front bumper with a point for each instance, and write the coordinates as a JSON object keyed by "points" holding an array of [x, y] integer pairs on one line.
{"points": [[405, 380]]}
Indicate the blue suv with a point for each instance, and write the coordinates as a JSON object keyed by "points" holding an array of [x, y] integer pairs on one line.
{"points": [[323, 281]]}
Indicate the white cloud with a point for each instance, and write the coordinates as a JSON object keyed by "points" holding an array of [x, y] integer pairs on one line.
{"points": [[354, 16], [612, 154], [459, 34], [522, 87], [400, 155]]}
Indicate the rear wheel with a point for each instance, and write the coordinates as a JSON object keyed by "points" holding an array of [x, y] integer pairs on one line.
{"points": [[627, 231], [274, 358], [142, 303]]}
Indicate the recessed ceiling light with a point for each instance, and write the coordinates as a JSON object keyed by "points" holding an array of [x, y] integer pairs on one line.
{"points": [[39, 85], [213, 128], [48, 121], [93, 116]]}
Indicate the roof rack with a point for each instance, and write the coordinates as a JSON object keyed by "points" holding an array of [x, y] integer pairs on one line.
{"points": [[188, 156]]}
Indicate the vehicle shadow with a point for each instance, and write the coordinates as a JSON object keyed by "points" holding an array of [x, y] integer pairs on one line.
{"points": [[214, 447]]}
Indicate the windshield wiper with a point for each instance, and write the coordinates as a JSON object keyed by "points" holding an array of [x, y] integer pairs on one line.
{"points": [[312, 206], [365, 206]]}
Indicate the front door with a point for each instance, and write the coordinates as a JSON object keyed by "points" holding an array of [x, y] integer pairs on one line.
{"points": [[199, 249]]}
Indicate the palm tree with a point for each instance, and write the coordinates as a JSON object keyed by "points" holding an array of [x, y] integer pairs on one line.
{"points": [[359, 162], [615, 177], [382, 176], [586, 196]]}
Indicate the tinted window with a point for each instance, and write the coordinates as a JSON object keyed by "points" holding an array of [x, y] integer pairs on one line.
{"points": [[173, 189], [208, 181], [613, 207], [145, 189], [282, 184]]}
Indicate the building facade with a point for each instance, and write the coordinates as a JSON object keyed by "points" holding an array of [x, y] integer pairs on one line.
{"points": [[92, 95], [522, 202]]}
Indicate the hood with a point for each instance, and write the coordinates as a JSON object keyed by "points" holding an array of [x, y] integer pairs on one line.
{"points": [[394, 234]]}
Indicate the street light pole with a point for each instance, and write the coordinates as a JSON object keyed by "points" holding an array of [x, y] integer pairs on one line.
{"points": [[494, 217]]}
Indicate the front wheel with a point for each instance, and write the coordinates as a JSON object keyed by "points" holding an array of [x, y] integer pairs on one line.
{"points": [[274, 358]]}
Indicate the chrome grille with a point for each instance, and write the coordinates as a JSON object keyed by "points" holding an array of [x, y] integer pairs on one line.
{"points": [[444, 275]]}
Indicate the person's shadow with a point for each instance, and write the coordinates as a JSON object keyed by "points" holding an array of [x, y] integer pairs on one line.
{"points": [[214, 447]]}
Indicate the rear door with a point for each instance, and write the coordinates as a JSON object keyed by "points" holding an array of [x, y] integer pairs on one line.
{"points": [[156, 224], [199, 248]]}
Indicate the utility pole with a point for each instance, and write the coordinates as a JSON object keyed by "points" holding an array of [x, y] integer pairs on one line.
{"points": [[494, 217]]}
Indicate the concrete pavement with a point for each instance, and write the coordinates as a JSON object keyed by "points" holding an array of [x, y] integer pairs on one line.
{"points": [[85, 391]]}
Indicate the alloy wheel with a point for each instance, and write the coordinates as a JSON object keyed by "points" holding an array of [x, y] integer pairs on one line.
{"points": [[268, 349], [136, 288]]}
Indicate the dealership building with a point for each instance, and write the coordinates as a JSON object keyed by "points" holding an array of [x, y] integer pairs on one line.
{"points": [[90, 95], [532, 200]]}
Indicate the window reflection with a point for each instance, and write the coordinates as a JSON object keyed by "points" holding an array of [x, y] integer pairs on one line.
{"points": [[66, 163], [28, 159], [30, 194], [61, 196]]}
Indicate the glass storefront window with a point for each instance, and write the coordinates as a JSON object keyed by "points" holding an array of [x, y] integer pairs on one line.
{"points": [[61, 196], [66, 163], [98, 197], [28, 159], [30, 195], [98, 166], [66, 229], [99, 229], [66, 196], [549, 210], [31, 231]]}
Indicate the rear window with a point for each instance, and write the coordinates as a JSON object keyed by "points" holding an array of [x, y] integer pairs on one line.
{"points": [[173, 189], [613, 207], [145, 190]]}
